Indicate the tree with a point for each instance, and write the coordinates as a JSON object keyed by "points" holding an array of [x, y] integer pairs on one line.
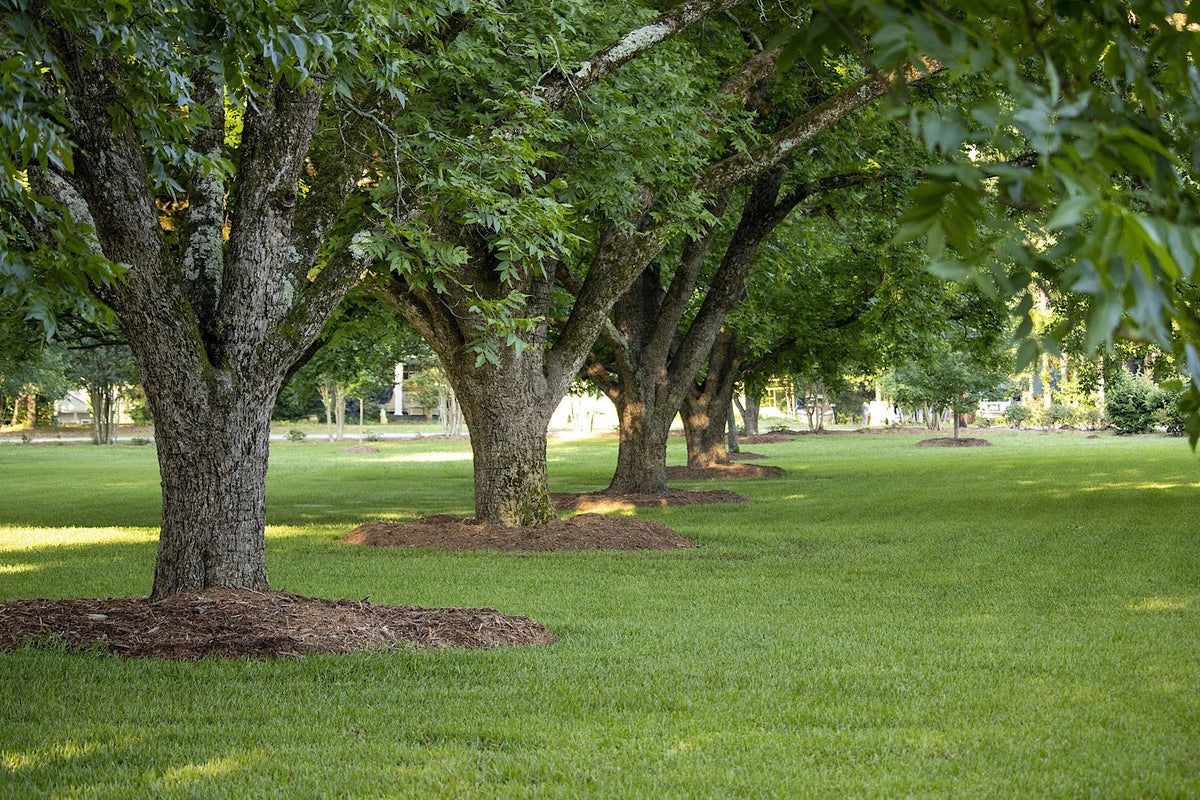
{"points": [[30, 366], [210, 159], [225, 166], [355, 356], [104, 369], [649, 185]]}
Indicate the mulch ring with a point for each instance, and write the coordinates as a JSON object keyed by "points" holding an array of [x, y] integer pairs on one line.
{"points": [[239, 623], [745, 456], [603, 503], [580, 532], [950, 441], [774, 437], [723, 472]]}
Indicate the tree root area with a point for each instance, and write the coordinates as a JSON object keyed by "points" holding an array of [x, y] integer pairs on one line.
{"points": [[723, 472], [239, 623], [950, 441], [746, 456], [774, 437], [603, 503], [581, 532]]}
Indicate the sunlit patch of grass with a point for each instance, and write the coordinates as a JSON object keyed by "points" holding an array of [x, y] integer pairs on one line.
{"points": [[1161, 604], [47, 538], [186, 774], [421, 458]]}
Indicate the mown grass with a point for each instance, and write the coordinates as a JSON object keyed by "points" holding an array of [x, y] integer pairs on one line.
{"points": [[1021, 620]]}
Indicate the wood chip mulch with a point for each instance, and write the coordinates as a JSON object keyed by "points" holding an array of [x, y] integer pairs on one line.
{"points": [[723, 472], [746, 456], [950, 441], [774, 437], [603, 503], [580, 532], [238, 623]]}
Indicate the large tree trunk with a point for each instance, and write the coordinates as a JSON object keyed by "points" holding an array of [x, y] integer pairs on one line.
{"points": [[214, 467], [30, 410], [507, 411], [217, 314]]}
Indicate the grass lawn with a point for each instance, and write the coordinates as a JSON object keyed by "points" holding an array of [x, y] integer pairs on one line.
{"points": [[1020, 620]]}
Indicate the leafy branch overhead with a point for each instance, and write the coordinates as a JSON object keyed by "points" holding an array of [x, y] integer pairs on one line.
{"points": [[1103, 94]]}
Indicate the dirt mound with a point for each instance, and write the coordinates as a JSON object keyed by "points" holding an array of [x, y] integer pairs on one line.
{"points": [[774, 437], [744, 456], [359, 448], [623, 502], [237, 623], [723, 471], [950, 441], [581, 532]]}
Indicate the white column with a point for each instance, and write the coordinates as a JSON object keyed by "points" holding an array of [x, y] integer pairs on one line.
{"points": [[398, 391]]}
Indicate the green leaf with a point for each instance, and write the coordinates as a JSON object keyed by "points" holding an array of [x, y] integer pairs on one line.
{"points": [[1071, 211]]}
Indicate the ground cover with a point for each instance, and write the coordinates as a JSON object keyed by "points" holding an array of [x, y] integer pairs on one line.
{"points": [[882, 620]]}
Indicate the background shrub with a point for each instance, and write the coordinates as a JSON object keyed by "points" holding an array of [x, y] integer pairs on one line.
{"points": [[1131, 404], [1016, 415]]}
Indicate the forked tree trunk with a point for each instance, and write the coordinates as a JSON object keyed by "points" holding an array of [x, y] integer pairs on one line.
{"points": [[706, 408], [704, 431], [642, 446]]}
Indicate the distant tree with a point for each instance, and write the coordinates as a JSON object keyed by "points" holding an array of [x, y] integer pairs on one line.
{"points": [[30, 366], [355, 356], [105, 370]]}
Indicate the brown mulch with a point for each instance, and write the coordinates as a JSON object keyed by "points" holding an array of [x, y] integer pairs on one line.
{"points": [[580, 532], [359, 448], [238, 623], [723, 471], [950, 441], [603, 503], [774, 437], [746, 456]]}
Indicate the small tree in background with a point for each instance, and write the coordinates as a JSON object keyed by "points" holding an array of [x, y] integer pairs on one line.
{"points": [[105, 371], [1132, 403], [947, 380]]}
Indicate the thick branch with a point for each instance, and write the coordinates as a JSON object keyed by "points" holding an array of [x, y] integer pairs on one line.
{"points": [[259, 284], [559, 89], [202, 257], [737, 168], [683, 284]]}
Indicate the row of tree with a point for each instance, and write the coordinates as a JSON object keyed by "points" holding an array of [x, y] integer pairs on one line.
{"points": [[523, 179]]}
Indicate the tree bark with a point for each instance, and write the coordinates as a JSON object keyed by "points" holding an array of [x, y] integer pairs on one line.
{"points": [[707, 406], [644, 426], [214, 469], [216, 318], [30, 411], [750, 413], [505, 408]]}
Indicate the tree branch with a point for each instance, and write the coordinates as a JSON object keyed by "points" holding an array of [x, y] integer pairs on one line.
{"points": [[740, 166], [561, 87]]}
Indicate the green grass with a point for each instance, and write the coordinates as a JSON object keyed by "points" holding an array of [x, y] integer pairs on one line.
{"points": [[1021, 620]]}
